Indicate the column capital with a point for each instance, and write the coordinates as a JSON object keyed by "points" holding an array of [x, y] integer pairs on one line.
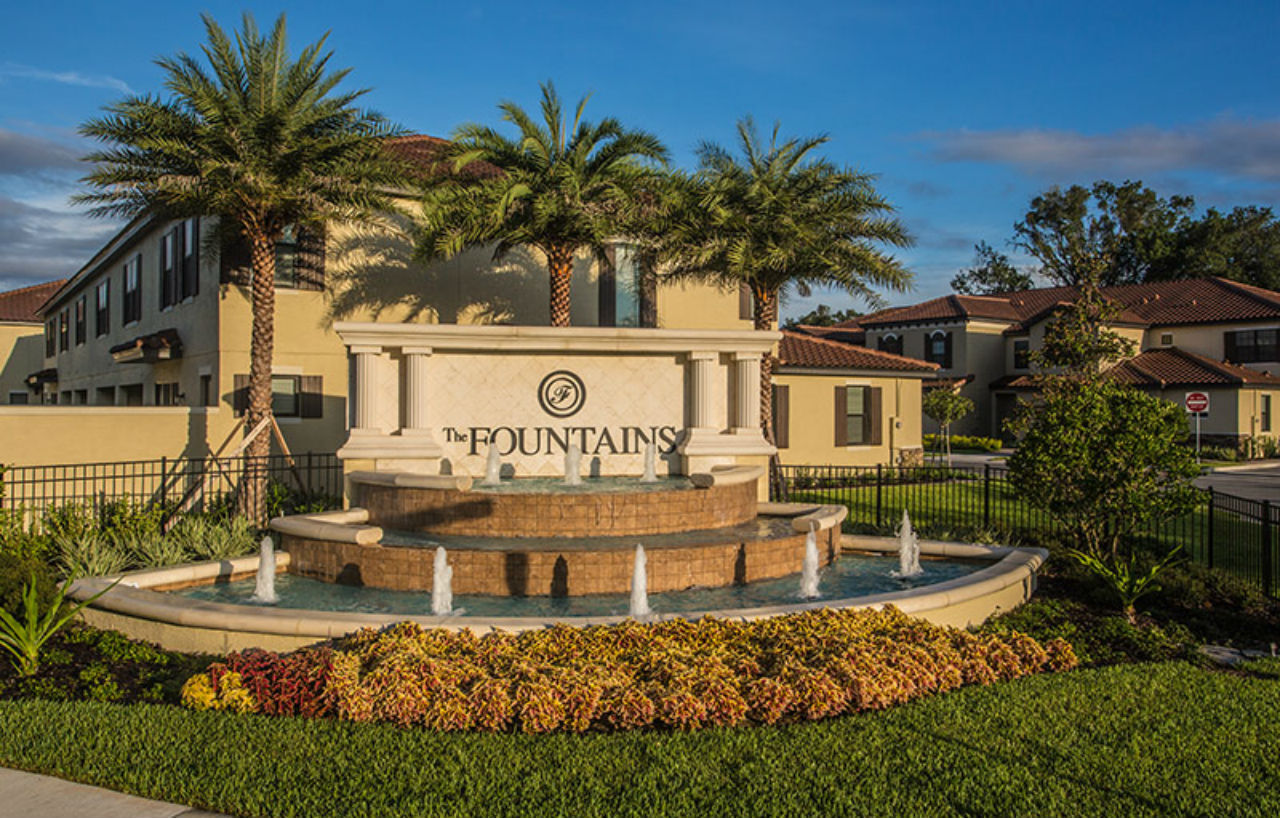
{"points": [[416, 350], [365, 349], [704, 355], [746, 356]]}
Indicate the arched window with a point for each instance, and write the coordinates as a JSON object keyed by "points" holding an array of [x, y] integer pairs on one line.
{"points": [[937, 348], [890, 342]]}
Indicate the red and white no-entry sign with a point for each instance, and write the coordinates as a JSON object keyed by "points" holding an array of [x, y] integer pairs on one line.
{"points": [[1197, 402]]}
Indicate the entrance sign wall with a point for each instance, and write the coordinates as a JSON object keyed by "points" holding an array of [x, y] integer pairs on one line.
{"points": [[433, 398]]}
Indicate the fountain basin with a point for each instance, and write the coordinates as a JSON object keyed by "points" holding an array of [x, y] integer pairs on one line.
{"points": [[533, 507], [141, 611]]}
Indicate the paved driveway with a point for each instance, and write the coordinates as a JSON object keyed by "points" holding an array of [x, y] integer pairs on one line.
{"points": [[1261, 483]]}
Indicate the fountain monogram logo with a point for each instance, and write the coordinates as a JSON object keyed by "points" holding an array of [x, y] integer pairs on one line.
{"points": [[561, 394]]}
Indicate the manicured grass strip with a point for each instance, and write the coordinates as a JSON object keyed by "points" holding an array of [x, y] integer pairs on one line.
{"points": [[1159, 740]]}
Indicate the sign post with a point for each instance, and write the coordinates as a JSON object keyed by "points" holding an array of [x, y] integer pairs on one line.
{"points": [[1198, 404]]}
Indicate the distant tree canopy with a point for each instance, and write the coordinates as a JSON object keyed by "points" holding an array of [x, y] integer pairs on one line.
{"points": [[1134, 235], [992, 273], [823, 316]]}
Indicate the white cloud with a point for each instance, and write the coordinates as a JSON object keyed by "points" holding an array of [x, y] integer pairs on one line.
{"points": [[1241, 148], [66, 77]]}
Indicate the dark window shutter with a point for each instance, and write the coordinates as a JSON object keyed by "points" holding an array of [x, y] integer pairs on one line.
{"points": [[874, 417], [310, 263], [240, 395], [1229, 346], [234, 262], [191, 261], [648, 298], [311, 396], [744, 303], [781, 416], [608, 289], [842, 413], [946, 355]]}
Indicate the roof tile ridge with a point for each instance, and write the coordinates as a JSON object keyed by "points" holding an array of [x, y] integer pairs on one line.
{"points": [[1132, 363], [57, 282], [1248, 290]]}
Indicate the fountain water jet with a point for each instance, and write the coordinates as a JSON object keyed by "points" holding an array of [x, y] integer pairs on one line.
{"points": [[573, 465], [492, 467], [650, 463], [639, 586], [442, 585], [809, 569], [908, 550], [264, 592]]}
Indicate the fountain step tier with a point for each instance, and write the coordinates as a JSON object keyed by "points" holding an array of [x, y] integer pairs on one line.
{"points": [[766, 548], [538, 508]]}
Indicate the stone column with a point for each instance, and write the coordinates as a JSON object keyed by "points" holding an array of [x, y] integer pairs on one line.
{"points": [[366, 388], [415, 360], [746, 388], [702, 366]]}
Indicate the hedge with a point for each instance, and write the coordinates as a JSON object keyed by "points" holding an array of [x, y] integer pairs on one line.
{"points": [[677, 674]]}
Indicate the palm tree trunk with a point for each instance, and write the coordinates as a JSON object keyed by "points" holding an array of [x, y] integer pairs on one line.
{"points": [[560, 265], [261, 351], [765, 314]]}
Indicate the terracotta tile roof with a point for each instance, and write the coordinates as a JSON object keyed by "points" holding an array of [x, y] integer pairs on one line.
{"points": [[22, 305], [1165, 367], [800, 350], [847, 332], [429, 152], [1171, 366], [1186, 301]]}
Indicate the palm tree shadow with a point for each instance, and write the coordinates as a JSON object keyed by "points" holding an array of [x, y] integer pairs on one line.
{"points": [[373, 275]]}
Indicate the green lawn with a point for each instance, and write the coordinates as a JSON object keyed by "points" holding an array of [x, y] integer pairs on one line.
{"points": [[1132, 740]]}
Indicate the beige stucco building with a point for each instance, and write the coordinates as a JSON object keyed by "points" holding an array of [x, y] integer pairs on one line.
{"points": [[1202, 334]]}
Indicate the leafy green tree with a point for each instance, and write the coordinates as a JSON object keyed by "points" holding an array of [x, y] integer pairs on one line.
{"points": [[945, 407], [563, 187], [992, 273], [1108, 462], [1242, 245], [823, 316], [777, 219], [261, 140], [1129, 225]]}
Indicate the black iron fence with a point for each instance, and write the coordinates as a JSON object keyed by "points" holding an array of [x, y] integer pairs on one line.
{"points": [[176, 485], [1235, 534]]}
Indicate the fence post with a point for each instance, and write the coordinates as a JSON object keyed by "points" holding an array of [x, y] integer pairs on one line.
{"points": [[164, 482], [1268, 585], [879, 492], [986, 496], [1208, 539]]}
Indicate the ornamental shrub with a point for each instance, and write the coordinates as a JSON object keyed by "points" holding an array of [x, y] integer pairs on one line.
{"points": [[678, 674]]}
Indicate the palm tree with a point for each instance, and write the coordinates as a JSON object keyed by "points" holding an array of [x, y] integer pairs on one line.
{"points": [[263, 142], [560, 189], [777, 220]]}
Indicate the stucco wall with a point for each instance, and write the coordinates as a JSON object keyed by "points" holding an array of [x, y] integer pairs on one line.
{"points": [[45, 435], [21, 353], [812, 428]]}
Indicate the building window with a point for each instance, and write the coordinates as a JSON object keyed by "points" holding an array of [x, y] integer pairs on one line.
{"points": [[51, 337], [82, 397], [102, 308], [168, 269], [17, 398], [857, 415], [167, 394], [287, 259], [189, 280], [106, 396], [82, 307], [131, 395], [781, 416], [132, 291], [1021, 354], [1265, 421], [625, 290], [1166, 339], [937, 348], [746, 303], [64, 331], [1252, 346], [284, 396], [207, 397], [890, 343]]}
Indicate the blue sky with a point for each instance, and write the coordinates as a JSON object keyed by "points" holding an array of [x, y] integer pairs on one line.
{"points": [[964, 110]]}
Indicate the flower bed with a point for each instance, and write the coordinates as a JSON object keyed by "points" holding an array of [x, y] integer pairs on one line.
{"points": [[676, 674]]}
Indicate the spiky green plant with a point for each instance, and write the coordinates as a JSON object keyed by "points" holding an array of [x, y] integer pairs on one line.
{"points": [[23, 638], [206, 538], [148, 549], [89, 555], [559, 187], [261, 140]]}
